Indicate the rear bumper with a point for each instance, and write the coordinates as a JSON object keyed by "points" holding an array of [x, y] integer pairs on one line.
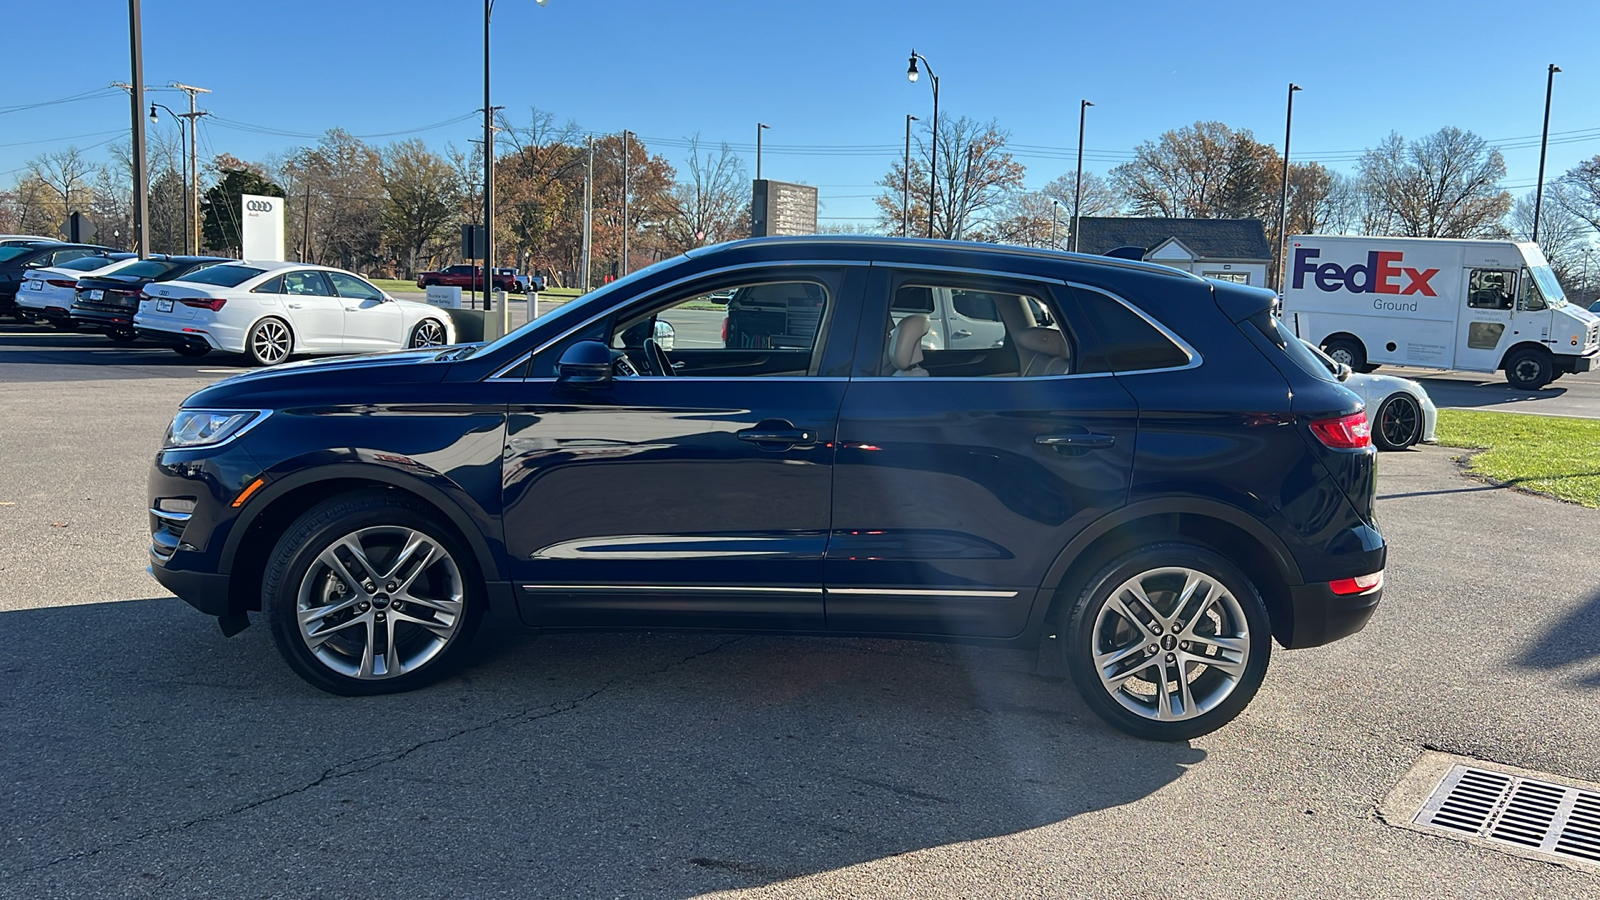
{"points": [[178, 339], [1321, 616], [102, 318]]}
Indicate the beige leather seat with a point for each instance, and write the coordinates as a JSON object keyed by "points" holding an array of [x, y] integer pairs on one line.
{"points": [[1042, 351], [905, 346]]}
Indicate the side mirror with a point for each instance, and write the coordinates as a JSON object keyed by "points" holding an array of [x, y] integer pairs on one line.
{"points": [[1343, 372], [586, 364]]}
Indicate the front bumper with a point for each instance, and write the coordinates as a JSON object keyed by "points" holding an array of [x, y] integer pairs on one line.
{"points": [[1321, 616], [205, 591], [1574, 365]]}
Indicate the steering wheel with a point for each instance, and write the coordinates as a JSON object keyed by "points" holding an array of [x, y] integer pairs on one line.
{"points": [[623, 366], [658, 358]]}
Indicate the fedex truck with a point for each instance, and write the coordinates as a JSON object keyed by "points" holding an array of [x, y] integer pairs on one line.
{"points": [[1437, 303]]}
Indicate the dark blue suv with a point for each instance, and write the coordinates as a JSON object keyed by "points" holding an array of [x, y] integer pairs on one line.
{"points": [[1143, 471]]}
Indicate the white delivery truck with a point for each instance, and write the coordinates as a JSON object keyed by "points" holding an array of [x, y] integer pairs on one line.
{"points": [[1437, 303]]}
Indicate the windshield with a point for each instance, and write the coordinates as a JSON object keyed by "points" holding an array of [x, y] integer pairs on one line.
{"points": [[586, 300], [1549, 287]]}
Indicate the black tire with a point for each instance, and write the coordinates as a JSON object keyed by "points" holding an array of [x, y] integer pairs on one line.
{"points": [[123, 336], [296, 577], [1211, 695], [1530, 369], [1398, 423], [269, 342], [1348, 351], [421, 335], [192, 351]]}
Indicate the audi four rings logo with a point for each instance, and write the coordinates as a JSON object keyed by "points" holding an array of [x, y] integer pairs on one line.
{"points": [[258, 206]]}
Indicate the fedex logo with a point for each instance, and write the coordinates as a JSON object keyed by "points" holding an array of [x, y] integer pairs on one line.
{"points": [[1379, 276]]}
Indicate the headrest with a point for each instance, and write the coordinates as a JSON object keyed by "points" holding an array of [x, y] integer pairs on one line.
{"points": [[905, 344], [1047, 341]]}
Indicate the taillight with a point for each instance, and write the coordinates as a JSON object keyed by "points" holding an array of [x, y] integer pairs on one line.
{"points": [[211, 303], [724, 329], [1361, 584], [1352, 432], [60, 282]]}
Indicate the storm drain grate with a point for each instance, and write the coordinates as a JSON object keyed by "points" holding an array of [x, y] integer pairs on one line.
{"points": [[1534, 815]]}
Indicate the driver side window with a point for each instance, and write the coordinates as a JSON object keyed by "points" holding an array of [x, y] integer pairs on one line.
{"points": [[760, 328]]}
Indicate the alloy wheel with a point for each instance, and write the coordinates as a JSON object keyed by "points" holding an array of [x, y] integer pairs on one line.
{"points": [[1398, 423], [270, 342], [1171, 644], [380, 602], [428, 334]]}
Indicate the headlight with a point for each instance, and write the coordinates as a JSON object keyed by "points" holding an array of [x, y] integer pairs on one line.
{"points": [[209, 427]]}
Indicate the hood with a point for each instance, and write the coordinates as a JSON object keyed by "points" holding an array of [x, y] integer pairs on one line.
{"points": [[332, 374]]}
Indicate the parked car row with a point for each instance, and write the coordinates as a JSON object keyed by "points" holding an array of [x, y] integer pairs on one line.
{"points": [[469, 277], [266, 311]]}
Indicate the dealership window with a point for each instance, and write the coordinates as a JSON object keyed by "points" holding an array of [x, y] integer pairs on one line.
{"points": [[1235, 277]]}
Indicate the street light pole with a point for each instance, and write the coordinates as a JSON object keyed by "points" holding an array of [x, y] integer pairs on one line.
{"points": [[588, 215], [1538, 197], [759, 128], [624, 202], [141, 186], [1055, 208], [933, 152], [488, 167], [905, 182], [1077, 177], [1283, 201], [184, 159]]}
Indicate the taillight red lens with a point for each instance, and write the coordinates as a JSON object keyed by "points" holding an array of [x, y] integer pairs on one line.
{"points": [[60, 282], [1360, 584], [1351, 432], [211, 303], [724, 329]]}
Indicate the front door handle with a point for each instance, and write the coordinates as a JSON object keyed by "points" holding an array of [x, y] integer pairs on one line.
{"points": [[1077, 442], [776, 434], [961, 333]]}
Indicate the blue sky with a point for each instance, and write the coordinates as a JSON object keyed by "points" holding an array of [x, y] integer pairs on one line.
{"points": [[829, 75]]}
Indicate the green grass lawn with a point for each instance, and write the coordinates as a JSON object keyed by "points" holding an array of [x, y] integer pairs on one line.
{"points": [[1551, 455], [390, 285]]}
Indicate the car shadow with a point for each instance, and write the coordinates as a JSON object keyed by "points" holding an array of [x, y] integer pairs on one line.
{"points": [[622, 764], [1574, 639], [1456, 394], [46, 347]]}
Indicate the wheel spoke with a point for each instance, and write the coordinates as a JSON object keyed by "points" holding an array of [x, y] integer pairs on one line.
{"points": [[1186, 694], [308, 616], [450, 606], [1105, 662], [1192, 581], [414, 541], [391, 650], [1144, 602], [330, 558], [369, 652], [1114, 683], [441, 629], [315, 639]]}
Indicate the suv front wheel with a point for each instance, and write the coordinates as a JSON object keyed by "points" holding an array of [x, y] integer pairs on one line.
{"points": [[1168, 642], [366, 594]]}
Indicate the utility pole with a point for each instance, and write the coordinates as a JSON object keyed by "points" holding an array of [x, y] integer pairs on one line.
{"points": [[141, 190], [759, 128], [1544, 140], [905, 182], [191, 240], [624, 203], [305, 229], [1283, 203], [588, 217], [1077, 177]]}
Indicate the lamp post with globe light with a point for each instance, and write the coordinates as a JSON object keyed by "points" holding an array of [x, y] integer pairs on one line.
{"points": [[933, 152]]}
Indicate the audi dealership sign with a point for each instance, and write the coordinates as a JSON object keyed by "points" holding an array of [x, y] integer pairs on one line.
{"points": [[262, 231]]}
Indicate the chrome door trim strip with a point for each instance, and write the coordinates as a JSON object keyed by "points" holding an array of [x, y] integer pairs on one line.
{"points": [[781, 263], [681, 588], [906, 592]]}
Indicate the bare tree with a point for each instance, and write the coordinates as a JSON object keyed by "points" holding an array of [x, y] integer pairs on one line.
{"points": [[1444, 185], [1581, 196], [712, 203], [1201, 171], [1562, 234], [67, 173], [1034, 219], [1099, 197], [976, 175]]}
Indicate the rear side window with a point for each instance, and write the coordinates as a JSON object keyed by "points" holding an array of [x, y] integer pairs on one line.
{"points": [[1123, 340], [1309, 359], [149, 268], [224, 276]]}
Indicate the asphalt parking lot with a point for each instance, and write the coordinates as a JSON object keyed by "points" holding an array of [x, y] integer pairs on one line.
{"points": [[147, 756]]}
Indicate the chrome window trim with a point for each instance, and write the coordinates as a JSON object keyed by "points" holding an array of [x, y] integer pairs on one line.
{"points": [[907, 592], [634, 588], [967, 270], [723, 270]]}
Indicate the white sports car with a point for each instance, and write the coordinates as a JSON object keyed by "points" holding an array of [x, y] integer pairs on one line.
{"points": [[1398, 408], [270, 311]]}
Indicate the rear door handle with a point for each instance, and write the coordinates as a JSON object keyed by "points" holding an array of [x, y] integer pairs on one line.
{"points": [[961, 334], [293, 305], [1076, 442], [778, 435]]}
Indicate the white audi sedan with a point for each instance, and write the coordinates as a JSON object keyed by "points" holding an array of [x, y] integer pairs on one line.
{"points": [[270, 311], [48, 293]]}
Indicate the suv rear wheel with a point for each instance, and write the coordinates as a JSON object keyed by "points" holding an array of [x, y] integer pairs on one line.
{"points": [[366, 594], [1168, 642]]}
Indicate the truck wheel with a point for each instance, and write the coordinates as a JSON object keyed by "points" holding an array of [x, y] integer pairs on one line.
{"points": [[1348, 351], [1530, 369]]}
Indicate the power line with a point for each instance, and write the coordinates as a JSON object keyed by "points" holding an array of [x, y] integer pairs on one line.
{"points": [[278, 132], [95, 94], [66, 138]]}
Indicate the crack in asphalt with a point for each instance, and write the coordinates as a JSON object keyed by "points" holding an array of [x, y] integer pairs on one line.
{"points": [[367, 763]]}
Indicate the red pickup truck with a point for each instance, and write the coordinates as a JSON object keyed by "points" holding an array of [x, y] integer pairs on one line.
{"points": [[468, 278]]}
